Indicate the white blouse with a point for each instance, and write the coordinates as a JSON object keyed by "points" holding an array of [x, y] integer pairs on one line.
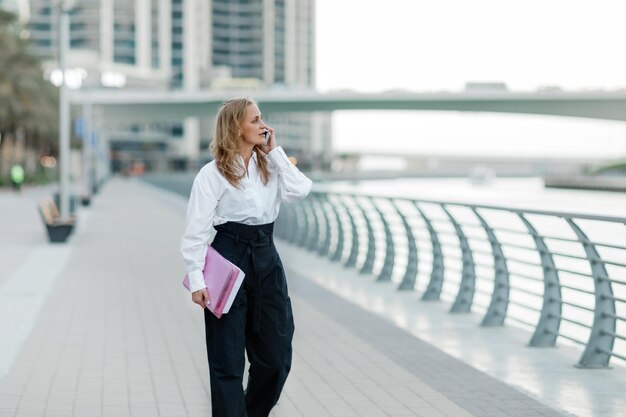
{"points": [[215, 201]]}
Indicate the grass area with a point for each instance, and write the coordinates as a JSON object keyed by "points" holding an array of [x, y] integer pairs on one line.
{"points": [[614, 168], [38, 178]]}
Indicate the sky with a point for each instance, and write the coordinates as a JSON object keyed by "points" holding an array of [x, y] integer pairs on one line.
{"points": [[374, 45]]}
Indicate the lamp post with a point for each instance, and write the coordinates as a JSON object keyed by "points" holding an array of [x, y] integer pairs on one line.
{"points": [[87, 152], [64, 110]]}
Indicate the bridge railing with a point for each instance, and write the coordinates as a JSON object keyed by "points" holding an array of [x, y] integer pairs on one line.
{"points": [[561, 275]]}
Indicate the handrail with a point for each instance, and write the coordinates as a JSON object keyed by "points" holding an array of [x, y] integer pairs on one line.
{"points": [[562, 214], [363, 231]]}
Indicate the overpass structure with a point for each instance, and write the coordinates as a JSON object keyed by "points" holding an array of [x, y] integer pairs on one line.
{"points": [[177, 105], [103, 109]]}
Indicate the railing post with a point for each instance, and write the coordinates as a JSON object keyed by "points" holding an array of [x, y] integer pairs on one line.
{"points": [[303, 239], [410, 274], [325, 246], [314, 237], [465, 296], [354, 249], [336, 256], [291, 223], [602, 337], [547, 328], [294, 226], [496, 313], [433, 291], [368, 265], [387, 271], [281, 221]]}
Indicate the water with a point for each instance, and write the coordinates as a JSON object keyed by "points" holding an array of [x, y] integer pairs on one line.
{"points": [[526, 193], [475, 133]]}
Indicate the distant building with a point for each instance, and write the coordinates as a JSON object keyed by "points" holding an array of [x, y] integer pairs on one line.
{"points": [[549, 89], [117, 40], [240, 46], [272, 42], [485, 86]]}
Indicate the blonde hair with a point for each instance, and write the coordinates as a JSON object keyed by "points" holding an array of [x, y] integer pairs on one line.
{"points": [[225, 143]]}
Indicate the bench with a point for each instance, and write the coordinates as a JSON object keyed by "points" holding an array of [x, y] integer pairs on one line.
{"points": [[58, 230]]}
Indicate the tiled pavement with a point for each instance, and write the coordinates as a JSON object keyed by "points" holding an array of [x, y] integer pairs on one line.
{"points": [[21, 228], [114, 334]]}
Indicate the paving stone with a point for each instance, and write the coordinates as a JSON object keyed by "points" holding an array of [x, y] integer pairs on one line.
{"points": [[118, 336]]}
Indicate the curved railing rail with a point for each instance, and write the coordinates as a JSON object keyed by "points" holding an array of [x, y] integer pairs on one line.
{"points": [[563, 275]]}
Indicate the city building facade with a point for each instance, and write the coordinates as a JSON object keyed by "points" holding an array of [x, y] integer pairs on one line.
{"points": [[238, 46]]}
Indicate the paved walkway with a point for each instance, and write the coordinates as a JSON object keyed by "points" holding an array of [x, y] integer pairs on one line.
{"points": [[21, 227], [102, 327]]}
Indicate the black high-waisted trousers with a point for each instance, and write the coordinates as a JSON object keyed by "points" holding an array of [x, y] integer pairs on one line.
{"points": [[260, 322]]}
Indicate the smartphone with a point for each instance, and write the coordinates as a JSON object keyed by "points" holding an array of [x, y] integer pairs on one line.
{"points": [[268, 134]]}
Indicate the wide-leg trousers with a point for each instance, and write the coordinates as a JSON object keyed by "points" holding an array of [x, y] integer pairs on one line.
{"points": [[260, 323]]}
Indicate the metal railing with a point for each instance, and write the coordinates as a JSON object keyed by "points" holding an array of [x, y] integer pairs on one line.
{"points": [[562, 275]]}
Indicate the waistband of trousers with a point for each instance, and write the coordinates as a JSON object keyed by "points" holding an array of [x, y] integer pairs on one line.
{"points": [[246, 232]]}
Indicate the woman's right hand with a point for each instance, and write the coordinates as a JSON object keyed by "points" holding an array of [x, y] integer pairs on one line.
{"points": [[201, 297]]}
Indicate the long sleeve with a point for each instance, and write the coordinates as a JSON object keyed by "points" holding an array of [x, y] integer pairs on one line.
{"points": [[293, 184], [203, 200]]}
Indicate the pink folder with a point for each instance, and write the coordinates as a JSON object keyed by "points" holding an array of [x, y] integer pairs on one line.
{"points": [[222, 278]]}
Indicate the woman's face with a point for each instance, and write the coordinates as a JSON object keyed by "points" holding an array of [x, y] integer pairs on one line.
{"points": [[253, 128]]}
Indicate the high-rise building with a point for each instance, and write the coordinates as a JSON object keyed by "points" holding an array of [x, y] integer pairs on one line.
{"points": [[272, 41], [268, 40], [191, 45], [117, 42]]}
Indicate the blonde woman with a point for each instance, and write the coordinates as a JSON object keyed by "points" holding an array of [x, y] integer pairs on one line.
{"points": [[239, 193]]}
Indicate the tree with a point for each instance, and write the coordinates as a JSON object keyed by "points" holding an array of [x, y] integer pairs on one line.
{"points": [[28, 103]]}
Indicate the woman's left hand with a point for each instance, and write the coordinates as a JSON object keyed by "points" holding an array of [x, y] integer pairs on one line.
{"points": [[271, 144]]}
